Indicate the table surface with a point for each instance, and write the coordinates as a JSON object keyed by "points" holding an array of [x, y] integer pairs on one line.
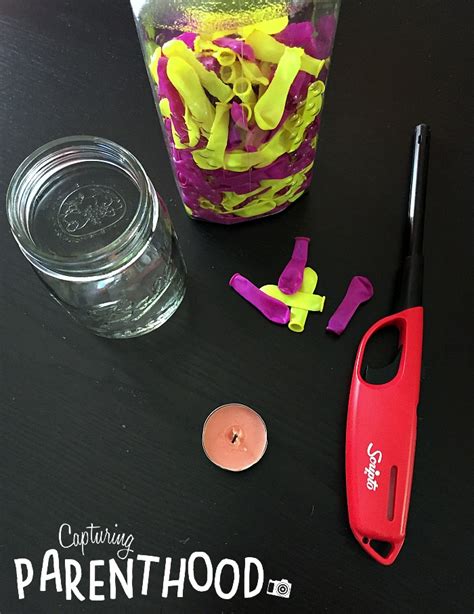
{"points": [[108, 432]]}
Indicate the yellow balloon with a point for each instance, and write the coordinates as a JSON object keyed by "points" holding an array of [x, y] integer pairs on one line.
{"points": [[253, 73], [186, 81], [204, 45], [302, 300], [231, 199], [225, 57], [165, 110], [268, 49], [297, 315], [270, 107], [193, 129], [212, 156], [153, 64], [230, 74], [270, 26], [310, 110], [208, 78], [257, 207], [243, 89]]}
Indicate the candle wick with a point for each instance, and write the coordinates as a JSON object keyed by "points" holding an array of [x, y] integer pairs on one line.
{"points": [[235, 437]]}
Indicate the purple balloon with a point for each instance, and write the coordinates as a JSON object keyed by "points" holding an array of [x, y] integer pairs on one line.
{"points": [[239, 115], [188, 39], [192, 181], [234, 138], [323, 75], [254, 138], [326, 29], [273, 309], [237, 46], [299, 87], [210, 63], [292, 276], [359, 291], [299, 35]]}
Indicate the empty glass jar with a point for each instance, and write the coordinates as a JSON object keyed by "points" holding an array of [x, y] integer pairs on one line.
{"points": [[87, 217], [239, 86]]}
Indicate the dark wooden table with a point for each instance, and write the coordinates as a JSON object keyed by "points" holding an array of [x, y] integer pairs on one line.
{"points": [[105, 432]]}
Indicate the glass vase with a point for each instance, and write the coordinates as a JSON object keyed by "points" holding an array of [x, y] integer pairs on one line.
{"points": [[239, 88]]}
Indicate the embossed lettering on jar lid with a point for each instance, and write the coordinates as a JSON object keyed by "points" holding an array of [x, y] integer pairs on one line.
{"points": [[81, 206]]}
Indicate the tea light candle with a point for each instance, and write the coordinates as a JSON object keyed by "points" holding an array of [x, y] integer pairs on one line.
{"points": [[234, 437]]}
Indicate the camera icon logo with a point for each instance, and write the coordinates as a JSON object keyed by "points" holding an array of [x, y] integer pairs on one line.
{"points": [[279, 588]]}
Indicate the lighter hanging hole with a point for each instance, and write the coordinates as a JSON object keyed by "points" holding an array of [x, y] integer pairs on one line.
{"points": [[391, 492]]}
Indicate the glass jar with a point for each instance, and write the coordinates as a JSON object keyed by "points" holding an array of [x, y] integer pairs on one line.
{"points": [[88, 219], [239, 87]]}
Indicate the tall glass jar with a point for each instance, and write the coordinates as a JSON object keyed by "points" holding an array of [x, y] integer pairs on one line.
{"points": [[89, 220], [239, 87]]}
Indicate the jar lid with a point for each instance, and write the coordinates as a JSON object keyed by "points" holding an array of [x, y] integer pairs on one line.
{"points": [[81, 206]]}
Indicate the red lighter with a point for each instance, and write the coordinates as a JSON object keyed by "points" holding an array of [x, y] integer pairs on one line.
{"points": [[381, 420]]}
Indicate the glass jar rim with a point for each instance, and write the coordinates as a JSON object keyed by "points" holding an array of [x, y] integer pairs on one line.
{"points": [[48, 159]]}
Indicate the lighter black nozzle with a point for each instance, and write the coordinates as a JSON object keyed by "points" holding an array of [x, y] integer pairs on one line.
{"points": [[412, 274]]}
